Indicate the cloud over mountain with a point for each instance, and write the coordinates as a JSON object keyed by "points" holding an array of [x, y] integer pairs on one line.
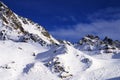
{"points": [[104, 22]]}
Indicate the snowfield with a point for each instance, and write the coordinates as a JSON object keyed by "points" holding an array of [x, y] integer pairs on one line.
{"points": [[18, 62], [27, 61]]}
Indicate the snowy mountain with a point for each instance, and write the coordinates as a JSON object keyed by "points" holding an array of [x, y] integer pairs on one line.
{"points": [[93, 45], [14, 27], [29, 52]]}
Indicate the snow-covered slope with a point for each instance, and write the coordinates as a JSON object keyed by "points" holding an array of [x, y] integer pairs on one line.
{"points": [[69, 63], [94, 46], [17, 62], [29, 52], [17, 28]]}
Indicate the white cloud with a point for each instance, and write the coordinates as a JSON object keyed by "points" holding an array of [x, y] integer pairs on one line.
{"points": [[107, 13], [100, 28], [66, 18], [104, 22]]}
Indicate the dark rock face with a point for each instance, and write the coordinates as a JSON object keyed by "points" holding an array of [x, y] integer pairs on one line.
{"points": [[108, 41]]}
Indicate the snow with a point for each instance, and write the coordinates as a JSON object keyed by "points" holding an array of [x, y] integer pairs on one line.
{"points": [[15, 57], [38, 72], [94, 69], [36, 29], [27, 61]]}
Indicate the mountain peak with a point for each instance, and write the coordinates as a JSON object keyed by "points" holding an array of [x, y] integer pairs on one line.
{"points": [[2, 4], [17, 28], [3, 7]]}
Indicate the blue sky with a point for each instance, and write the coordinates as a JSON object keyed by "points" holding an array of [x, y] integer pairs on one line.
{"points": [[72, 19]]}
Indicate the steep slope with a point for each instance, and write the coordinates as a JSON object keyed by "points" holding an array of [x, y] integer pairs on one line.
{"points": [[18, 28], [20, 41]]}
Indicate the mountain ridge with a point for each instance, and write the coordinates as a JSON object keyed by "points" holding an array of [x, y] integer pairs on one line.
{"points": [[21, 26]]}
